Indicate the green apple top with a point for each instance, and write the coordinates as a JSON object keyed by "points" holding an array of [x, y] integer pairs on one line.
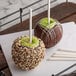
{"points": [[25, 41], [44, 23]]}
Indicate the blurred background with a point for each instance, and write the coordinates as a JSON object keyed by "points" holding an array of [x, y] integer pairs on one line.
{"points": [[9, 6]]}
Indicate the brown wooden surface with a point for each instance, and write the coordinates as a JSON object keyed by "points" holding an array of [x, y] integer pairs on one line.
{"points": [[63, 12]]}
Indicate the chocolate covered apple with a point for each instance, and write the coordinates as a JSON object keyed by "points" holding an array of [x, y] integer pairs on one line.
{"points": [[50, 33], [27, 55]]}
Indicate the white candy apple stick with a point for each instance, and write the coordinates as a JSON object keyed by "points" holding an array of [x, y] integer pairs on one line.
{"points": [[64, 56], [65, 53], [60, 59], [48, 11], [65, 50], [30, 30]]}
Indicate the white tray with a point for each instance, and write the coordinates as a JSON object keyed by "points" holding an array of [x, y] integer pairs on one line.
{"points": [[45, 68]]}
